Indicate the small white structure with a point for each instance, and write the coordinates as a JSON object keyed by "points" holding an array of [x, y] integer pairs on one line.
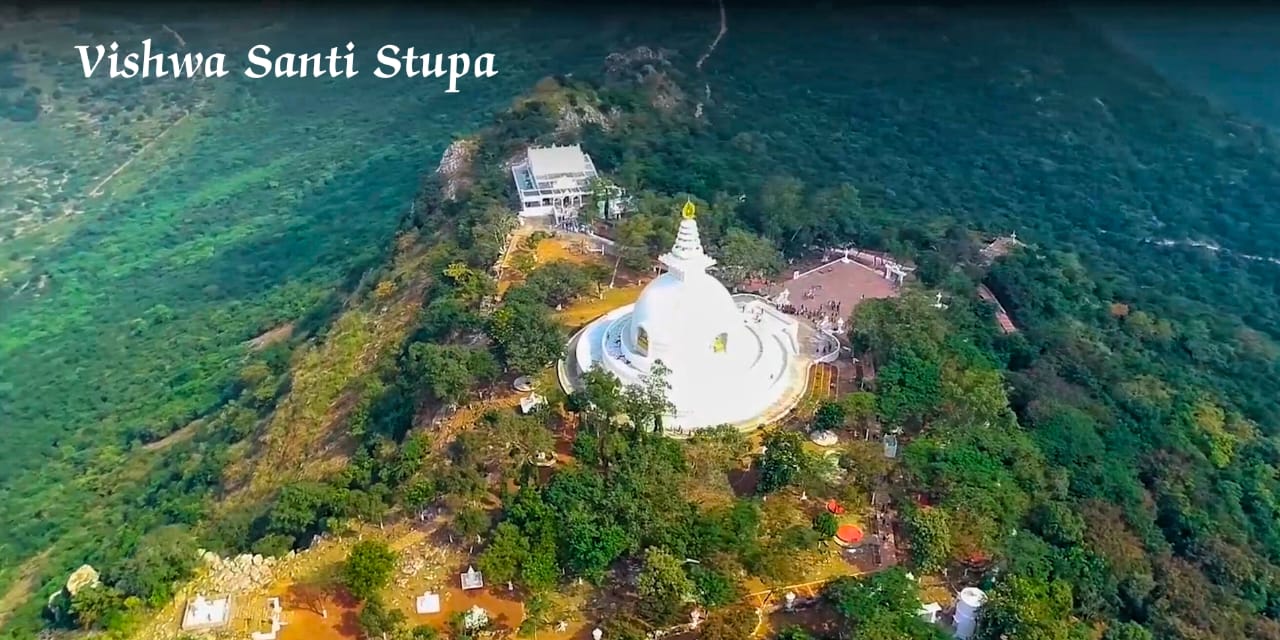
{"points": [[730, 360], [202, 613], [890, 446], [553, 180], [276, 611], [472, 579], [929, 612], [596, 634], [614, 203], [427, 603], [824, 438], [967, 605], [531, 402]]}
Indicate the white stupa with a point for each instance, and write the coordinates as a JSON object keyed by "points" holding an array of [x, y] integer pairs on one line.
{"points": [[732, 360]]}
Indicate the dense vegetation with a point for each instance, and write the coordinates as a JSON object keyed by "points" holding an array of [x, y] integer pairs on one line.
{"points": [[1115, 461], [127, 317]]}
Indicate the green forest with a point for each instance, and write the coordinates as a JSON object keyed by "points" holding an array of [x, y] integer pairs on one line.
{"points": [[1115, 460], [131, 317]]}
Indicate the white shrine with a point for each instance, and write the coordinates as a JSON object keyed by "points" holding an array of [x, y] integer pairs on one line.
{"points": [[206, 613], [730, 360]]}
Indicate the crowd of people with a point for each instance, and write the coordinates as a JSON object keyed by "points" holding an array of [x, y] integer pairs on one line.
{"points": [[824, 313]]}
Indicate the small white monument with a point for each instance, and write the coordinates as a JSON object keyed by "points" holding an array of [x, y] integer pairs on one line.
{"points": [[597, 634], [929, 612], [202, 613], [531, 402], [695, 617], [891, 446], [273, 605], [428, 603], [472, 579]]}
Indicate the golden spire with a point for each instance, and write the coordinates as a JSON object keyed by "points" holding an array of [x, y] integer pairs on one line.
{"points": [[689, 210]]}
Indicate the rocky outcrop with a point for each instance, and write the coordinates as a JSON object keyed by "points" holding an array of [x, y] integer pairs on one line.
{"points": [[84, 577], [573, 117], [639, 62], [648, 68], [240, 573], [455, 167], [429, 561]]}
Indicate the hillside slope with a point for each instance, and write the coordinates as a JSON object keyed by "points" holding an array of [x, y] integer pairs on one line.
{"points": [[157, 235]]}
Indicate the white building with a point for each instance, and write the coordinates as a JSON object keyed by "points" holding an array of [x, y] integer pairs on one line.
{"points": [[553, 180], [732, 360]]}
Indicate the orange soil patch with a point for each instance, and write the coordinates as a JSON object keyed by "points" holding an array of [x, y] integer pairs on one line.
{"points": [[580, 313], [505, 609], [315, 614], [564, 249]]}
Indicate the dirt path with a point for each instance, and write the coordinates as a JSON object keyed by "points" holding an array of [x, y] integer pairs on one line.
{"points": [[97, 191], [185, 433], [24, 586], [724, 29]]}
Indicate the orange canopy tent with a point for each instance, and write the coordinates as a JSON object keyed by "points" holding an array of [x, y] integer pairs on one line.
{"points": [[849, 534]]}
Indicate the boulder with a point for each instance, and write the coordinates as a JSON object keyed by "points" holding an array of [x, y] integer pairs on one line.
{"points": [[85, 576]]}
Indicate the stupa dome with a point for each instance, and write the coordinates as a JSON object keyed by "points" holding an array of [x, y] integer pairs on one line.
{"points": [[728, 361], [682, 316]]}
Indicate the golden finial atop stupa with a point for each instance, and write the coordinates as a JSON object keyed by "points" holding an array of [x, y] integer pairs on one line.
{"points": [[689, 210]]}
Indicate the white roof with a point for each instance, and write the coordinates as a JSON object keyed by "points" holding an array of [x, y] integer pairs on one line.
{"points": [[546, 161], [202, 611], [428, 603], [472, 579]]}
